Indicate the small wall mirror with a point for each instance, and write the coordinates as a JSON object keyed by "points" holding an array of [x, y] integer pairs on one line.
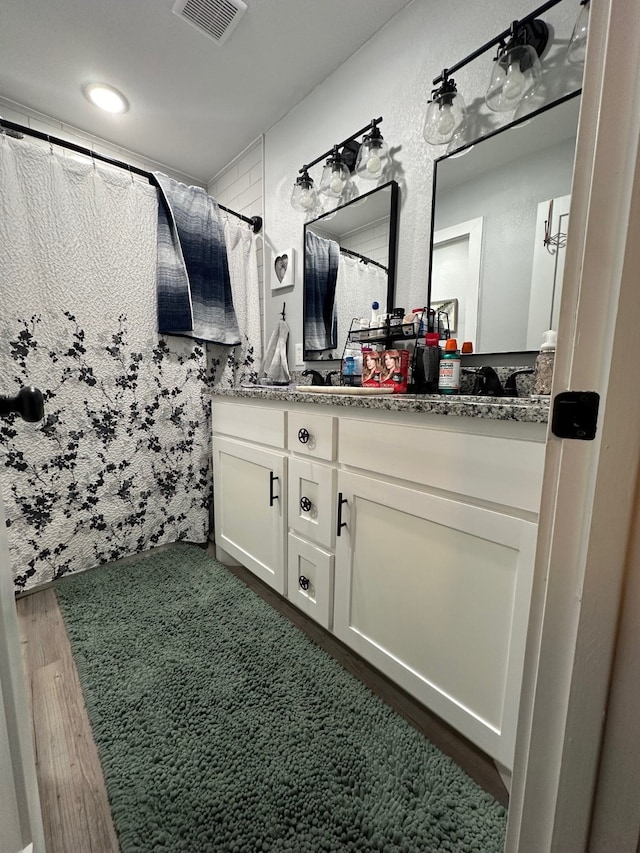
{"points": [[349, 262], [500, 212]]}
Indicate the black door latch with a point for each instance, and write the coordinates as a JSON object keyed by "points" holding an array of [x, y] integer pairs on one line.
{"points": [[575, 415]]}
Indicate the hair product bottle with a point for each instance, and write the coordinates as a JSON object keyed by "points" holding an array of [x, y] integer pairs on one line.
{"points": [[449, 370]]}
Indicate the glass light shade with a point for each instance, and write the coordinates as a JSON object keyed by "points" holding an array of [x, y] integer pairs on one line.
{"points": [[577, 48], [444, 119], [516, 75], [335, 177], [303, 195], [373, 157]]}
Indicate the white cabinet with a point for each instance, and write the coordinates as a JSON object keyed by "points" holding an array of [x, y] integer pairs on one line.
{"points": [[250, 507], [434, 592], [411, 537]]}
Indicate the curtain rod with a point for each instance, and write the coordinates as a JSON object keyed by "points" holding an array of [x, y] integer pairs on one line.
{"points": [[497, 40], [363, 258], [254, 221]]}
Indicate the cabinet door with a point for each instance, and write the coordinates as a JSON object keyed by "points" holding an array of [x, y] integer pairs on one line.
{"points": [[310, 584], [312, 500], [435, 593], [250, 507]]}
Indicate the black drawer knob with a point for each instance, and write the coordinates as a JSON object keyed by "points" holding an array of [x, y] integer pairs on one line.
{"points": [[305, 583], [303, 435], [305, 504]]}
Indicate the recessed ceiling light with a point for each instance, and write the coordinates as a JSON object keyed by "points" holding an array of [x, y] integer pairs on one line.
{"points": [[106, 97]]}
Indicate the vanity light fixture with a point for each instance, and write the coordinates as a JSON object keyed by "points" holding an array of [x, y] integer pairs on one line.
{"points": [[517, 70], [577, 48], [335, 175], [342, 159], [445, 113], [373, 156], [516, 73], [106, 97], [303, 196]]}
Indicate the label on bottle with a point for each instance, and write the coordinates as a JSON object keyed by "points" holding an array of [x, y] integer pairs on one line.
{"points": [[449, 374]]}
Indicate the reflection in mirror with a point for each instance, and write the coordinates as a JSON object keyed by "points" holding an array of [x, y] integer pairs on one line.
{"points": [[495, 248], [349, 262]]}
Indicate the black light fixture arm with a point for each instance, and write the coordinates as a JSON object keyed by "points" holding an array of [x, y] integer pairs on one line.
{"points": [[16, 129], [499, 39], [373, 123]]}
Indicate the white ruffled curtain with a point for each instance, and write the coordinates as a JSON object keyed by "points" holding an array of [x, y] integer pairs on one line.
{"points": [[122, 460], [359, 284]]}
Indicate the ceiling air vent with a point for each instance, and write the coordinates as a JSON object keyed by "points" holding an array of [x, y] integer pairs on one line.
{"points": [[215, 18]]}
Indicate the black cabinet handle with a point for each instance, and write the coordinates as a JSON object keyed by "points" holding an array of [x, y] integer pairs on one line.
{"points": [[272, 480], [341, 523], [303, 435], [304, 582], [305, 504]]}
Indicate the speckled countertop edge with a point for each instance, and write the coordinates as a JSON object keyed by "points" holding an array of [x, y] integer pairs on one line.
{"points": [[520, 409]]}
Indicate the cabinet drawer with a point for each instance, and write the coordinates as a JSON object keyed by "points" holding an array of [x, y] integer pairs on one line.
{"points": [[312, 500], [310, 580], [251, 423], [506, 471], [312, 435]]}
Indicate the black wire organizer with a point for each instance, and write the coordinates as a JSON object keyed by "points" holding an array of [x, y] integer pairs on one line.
{"points": [[388, 333]]}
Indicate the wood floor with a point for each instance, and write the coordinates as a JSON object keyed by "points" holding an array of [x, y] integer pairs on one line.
{"points": [[76, 813]]}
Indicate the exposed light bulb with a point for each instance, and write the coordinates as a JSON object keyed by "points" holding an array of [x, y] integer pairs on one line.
{"points": [[305, 199], [515, 83], [374, 164], [336, 184], [577, 48], [446, 120]]}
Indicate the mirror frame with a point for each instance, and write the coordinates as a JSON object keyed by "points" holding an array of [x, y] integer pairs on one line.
{"points": [[466, 146], [394, 205]]}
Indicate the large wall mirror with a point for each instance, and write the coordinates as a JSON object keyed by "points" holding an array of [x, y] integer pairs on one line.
{"points": [[349, 262], [500, 211]]}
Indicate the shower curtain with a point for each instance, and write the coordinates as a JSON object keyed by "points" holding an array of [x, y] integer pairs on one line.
{"points": [[121, 462], [358, 285]]}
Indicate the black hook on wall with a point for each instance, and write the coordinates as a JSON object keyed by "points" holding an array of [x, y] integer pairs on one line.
{"points": [[28, 403], [282, 313]]}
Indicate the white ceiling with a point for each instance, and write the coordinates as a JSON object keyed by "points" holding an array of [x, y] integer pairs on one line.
{"points": [[195, 104]]}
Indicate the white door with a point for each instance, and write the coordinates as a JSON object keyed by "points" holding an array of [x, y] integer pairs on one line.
{"points": [[20, 818], [547, 273], [584, 565], [251, 507]]}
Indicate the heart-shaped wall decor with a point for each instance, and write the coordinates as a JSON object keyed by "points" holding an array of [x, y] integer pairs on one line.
{"points": [[282, 261]]}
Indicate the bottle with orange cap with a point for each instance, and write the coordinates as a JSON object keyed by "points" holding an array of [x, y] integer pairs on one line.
{"points": [[449, 371]]}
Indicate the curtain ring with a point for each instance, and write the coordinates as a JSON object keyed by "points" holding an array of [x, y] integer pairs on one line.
{"points": [[50, 144], [131, 174]]}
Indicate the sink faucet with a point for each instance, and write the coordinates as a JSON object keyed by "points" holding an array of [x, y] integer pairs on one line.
{"points": [[487, 381], [511, 386], [316, 378], [327, 379]]}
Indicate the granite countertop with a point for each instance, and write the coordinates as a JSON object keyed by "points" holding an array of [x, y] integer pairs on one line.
{"points": [[522, 409]]}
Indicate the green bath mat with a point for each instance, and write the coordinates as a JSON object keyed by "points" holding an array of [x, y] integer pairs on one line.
{"points": [[221, 727]]}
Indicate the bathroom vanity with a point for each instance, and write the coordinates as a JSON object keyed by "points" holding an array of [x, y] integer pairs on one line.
{"points": [[404, 525]]}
